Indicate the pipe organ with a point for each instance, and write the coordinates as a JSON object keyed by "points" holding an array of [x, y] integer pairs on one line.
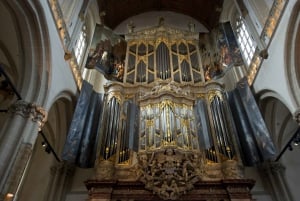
{"points": [[163, 125], [162, 55]]}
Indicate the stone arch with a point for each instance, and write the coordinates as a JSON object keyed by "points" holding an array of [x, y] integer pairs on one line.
{"points": [[279, 120], [292, 52], [26, 48], [59, 119], [282, 125]]}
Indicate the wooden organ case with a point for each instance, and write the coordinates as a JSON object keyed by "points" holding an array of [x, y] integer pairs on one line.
{"points": [[166, 133]]}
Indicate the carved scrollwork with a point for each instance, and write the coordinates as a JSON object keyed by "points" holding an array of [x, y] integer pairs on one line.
{"points": [[170, 87], [170, 172]]}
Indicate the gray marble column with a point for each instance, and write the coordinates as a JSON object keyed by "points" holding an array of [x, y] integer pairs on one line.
{"points": [[17, 138]]}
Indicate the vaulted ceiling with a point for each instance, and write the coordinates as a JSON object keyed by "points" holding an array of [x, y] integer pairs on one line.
{"points": [[207, 12]]}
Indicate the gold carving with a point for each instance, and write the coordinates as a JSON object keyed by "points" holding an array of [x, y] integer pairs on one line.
{"points": [[169, 87], [170, 172], [212, 94], [115, 95]]}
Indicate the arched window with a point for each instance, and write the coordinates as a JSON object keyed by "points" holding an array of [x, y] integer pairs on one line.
{"points": [[245, 40], [80, 45]]}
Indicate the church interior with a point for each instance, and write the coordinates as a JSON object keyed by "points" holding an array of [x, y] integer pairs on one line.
{"points": [[149, 100]]}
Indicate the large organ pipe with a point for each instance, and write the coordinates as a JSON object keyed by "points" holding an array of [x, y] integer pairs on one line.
{"points": [[122, 141], [115, 127], [216, 125], [110, 131], [203, 124], [110, 127], [223, 127], [104, 144], [224, 115], [163, 61]]}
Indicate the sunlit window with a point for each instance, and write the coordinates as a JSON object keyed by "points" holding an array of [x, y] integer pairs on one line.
{"points": [[245, 40], [80, 45]]}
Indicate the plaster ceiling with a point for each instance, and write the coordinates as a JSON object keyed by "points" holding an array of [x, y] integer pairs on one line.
{"points": [[206, 12]]}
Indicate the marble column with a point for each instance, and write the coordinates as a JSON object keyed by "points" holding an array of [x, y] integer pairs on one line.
{"points": [[17, 139]]}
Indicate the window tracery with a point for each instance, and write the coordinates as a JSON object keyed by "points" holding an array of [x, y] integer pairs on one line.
{"points": [[80, 45], [245, 40]]}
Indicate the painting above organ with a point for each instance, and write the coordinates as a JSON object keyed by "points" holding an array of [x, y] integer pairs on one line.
{"points": [[164, 53]]}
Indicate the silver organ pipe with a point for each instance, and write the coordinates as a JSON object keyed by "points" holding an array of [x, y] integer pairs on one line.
{"points": [[220, 122], [111, 122]]}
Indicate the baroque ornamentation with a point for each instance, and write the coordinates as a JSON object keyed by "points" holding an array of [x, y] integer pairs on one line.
{"points": [[169, 87], [105, 170], [162, 32], [170, 172]]}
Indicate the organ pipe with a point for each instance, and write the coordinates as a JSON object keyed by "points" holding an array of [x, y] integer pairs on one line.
{"points": [[220, 122], [111, 119]]}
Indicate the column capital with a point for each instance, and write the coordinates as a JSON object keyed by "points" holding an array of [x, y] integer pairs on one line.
{"points": [[30, 110], [296, 116], [274, 166]]}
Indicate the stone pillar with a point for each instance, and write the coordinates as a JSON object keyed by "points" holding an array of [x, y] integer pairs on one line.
{"points": [[59, 180], [17, 138], [274, 175]]}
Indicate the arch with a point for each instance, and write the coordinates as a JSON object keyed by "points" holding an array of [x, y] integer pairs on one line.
{"points": [[59, 118], [278, 118], [29, 48], [280, 122], [292, 52]]}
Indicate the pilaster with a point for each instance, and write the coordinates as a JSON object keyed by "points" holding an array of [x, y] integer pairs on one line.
{"points": [[59, 174], [274, 175]]}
